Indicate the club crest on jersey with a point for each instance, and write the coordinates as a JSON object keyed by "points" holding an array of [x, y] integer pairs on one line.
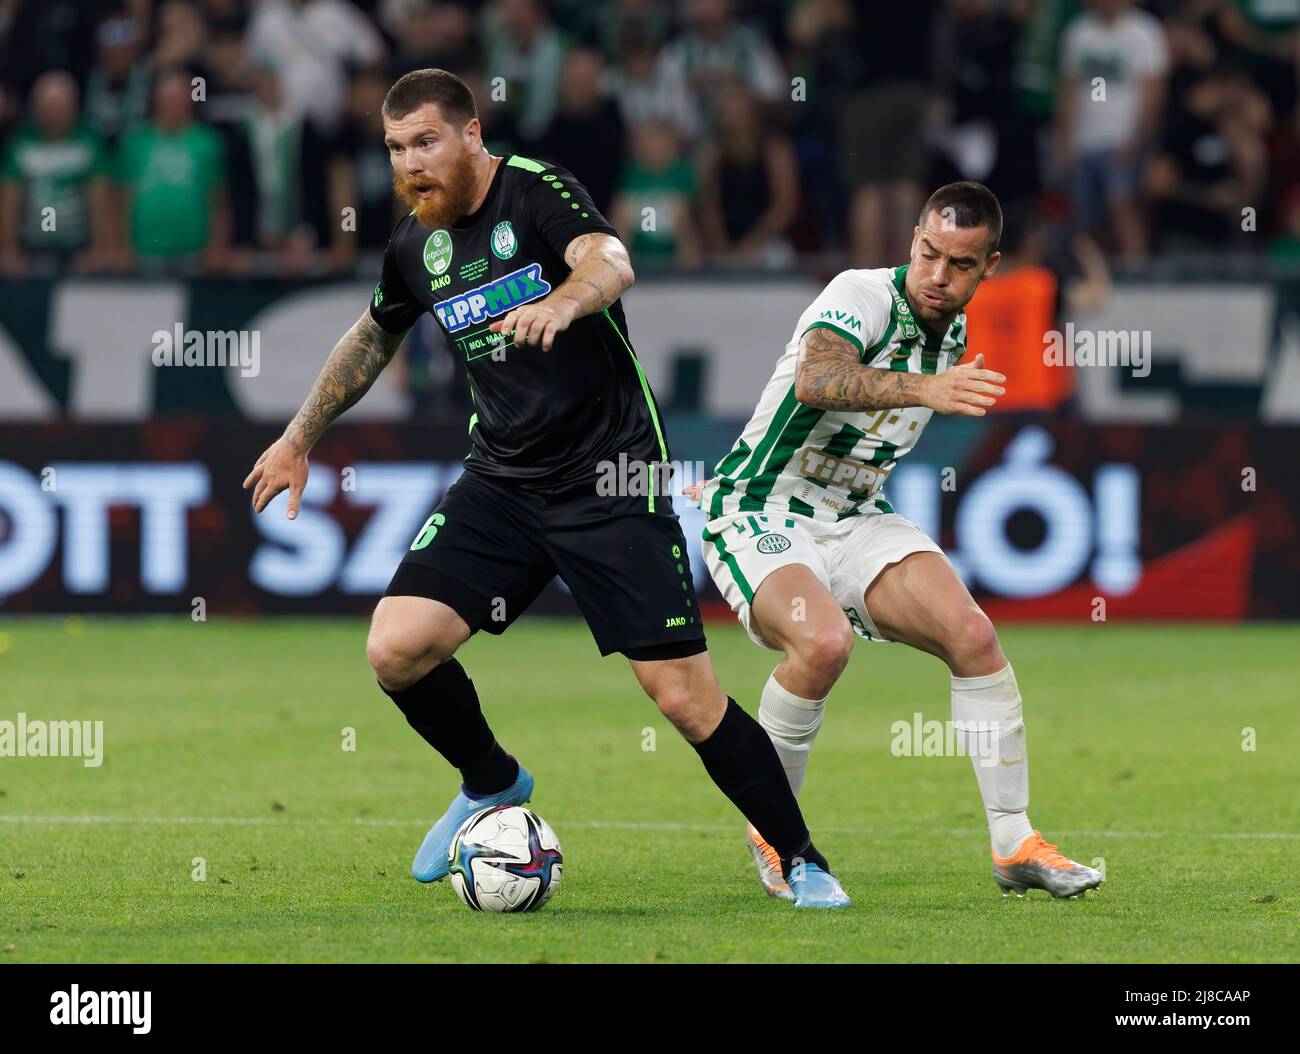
{"points": [[503, 240], [492, 298], [906, 323], [771, 544]]}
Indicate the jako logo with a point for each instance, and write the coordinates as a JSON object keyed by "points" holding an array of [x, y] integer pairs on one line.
{"points": [[492, 298], [102, 1008]]}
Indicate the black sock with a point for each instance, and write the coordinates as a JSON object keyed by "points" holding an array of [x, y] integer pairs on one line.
{"points": [[745, 766], [443, 707], [808, 855]]}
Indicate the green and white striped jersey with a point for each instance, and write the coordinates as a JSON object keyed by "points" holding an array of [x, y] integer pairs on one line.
{"points": [[829, 464]]}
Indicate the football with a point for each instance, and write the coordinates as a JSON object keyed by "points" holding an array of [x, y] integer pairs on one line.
{"points": [[505, 858]]}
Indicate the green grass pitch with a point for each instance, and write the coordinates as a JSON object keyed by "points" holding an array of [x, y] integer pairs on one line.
{"points": [[224, 740]]}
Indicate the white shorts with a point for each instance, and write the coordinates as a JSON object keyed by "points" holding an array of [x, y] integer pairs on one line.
{"points": [[743, 549]]}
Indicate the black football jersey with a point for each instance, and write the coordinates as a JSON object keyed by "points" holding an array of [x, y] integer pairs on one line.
{"points": [[549, 417]]}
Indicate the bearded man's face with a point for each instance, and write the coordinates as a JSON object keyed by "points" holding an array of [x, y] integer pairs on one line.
{"points": [[433, 164]]}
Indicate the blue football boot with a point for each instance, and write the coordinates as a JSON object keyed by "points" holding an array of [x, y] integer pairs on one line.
{"points": [[814, 888], [430, 863]]}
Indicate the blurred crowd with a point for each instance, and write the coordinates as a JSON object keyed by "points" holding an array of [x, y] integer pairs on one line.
{"points": [[244, 136]]}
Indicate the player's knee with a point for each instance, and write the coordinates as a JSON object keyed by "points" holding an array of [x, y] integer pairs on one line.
{"points": [[397, 664], [822, 652], [973, 643], [388, 663], [686, 711]]}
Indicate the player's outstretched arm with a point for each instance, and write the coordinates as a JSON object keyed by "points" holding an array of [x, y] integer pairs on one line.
{"points": [[830, 376], [348, 373], [602, 272]]}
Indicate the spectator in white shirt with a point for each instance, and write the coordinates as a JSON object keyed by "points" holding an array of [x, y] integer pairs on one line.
{"points": [[313, 43], [1114, 69]]}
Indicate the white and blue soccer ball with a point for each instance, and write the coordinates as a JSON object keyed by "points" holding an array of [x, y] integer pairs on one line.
{"points": [[505, 858]]}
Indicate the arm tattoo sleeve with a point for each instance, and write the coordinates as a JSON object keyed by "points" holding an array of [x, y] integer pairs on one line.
{"points": [[830, 377], [348, 373]]}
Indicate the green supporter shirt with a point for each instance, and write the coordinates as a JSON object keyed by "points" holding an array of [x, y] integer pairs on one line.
{"points": [[664, 191], [170, 177], [54, 174]]}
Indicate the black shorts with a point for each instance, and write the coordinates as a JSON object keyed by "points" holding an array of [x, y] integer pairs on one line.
{"points": [[492, 545]]}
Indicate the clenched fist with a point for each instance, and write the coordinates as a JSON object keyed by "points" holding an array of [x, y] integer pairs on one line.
{"points": [[968, 389], [282, 466]]}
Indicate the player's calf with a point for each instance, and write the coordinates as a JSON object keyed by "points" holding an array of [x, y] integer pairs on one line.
{"points": [[410, 648], [687, 693], [742, 761], [794, 611]]}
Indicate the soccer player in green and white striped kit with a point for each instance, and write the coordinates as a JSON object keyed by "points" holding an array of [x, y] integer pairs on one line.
{"points": [[807, 551]]}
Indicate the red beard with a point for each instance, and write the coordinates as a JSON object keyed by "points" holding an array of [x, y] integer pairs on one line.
{"points": [[451, 199]]}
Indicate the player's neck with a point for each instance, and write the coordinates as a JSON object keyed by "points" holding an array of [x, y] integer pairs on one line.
{"points": [[485, 170]]}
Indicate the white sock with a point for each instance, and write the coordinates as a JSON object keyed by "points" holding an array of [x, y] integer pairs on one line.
{"points": [[987, 721], [792, 723]]}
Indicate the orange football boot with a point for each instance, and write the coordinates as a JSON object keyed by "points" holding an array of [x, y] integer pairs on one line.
{"points": [[1040, 865], [768, 862]]}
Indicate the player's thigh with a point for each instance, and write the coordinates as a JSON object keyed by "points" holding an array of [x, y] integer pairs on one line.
{"points": [[771, 569], [627, 569], [479, 554], [921, 601], [794, 609]]}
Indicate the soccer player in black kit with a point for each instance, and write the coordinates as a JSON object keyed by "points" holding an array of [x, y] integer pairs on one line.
{"points": [[524, 276]]}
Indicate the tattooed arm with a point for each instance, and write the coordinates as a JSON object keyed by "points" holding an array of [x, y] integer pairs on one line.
{"points": [[601, 273], [830, 376], [348, 373]]}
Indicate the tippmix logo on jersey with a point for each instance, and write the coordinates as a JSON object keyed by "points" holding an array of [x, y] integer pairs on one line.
{"points": [[504, 243], [492, 298], [437, 252]]}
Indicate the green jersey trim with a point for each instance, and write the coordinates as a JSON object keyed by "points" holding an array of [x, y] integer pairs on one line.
{"points": [[822, 324], [649, 399], [880, 345], [730, 561], [796, 430], [526, 163], [728, 484]]}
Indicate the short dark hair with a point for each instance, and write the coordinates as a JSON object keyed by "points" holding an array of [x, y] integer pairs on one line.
{"points": [[972, 204], [450, 93]]}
